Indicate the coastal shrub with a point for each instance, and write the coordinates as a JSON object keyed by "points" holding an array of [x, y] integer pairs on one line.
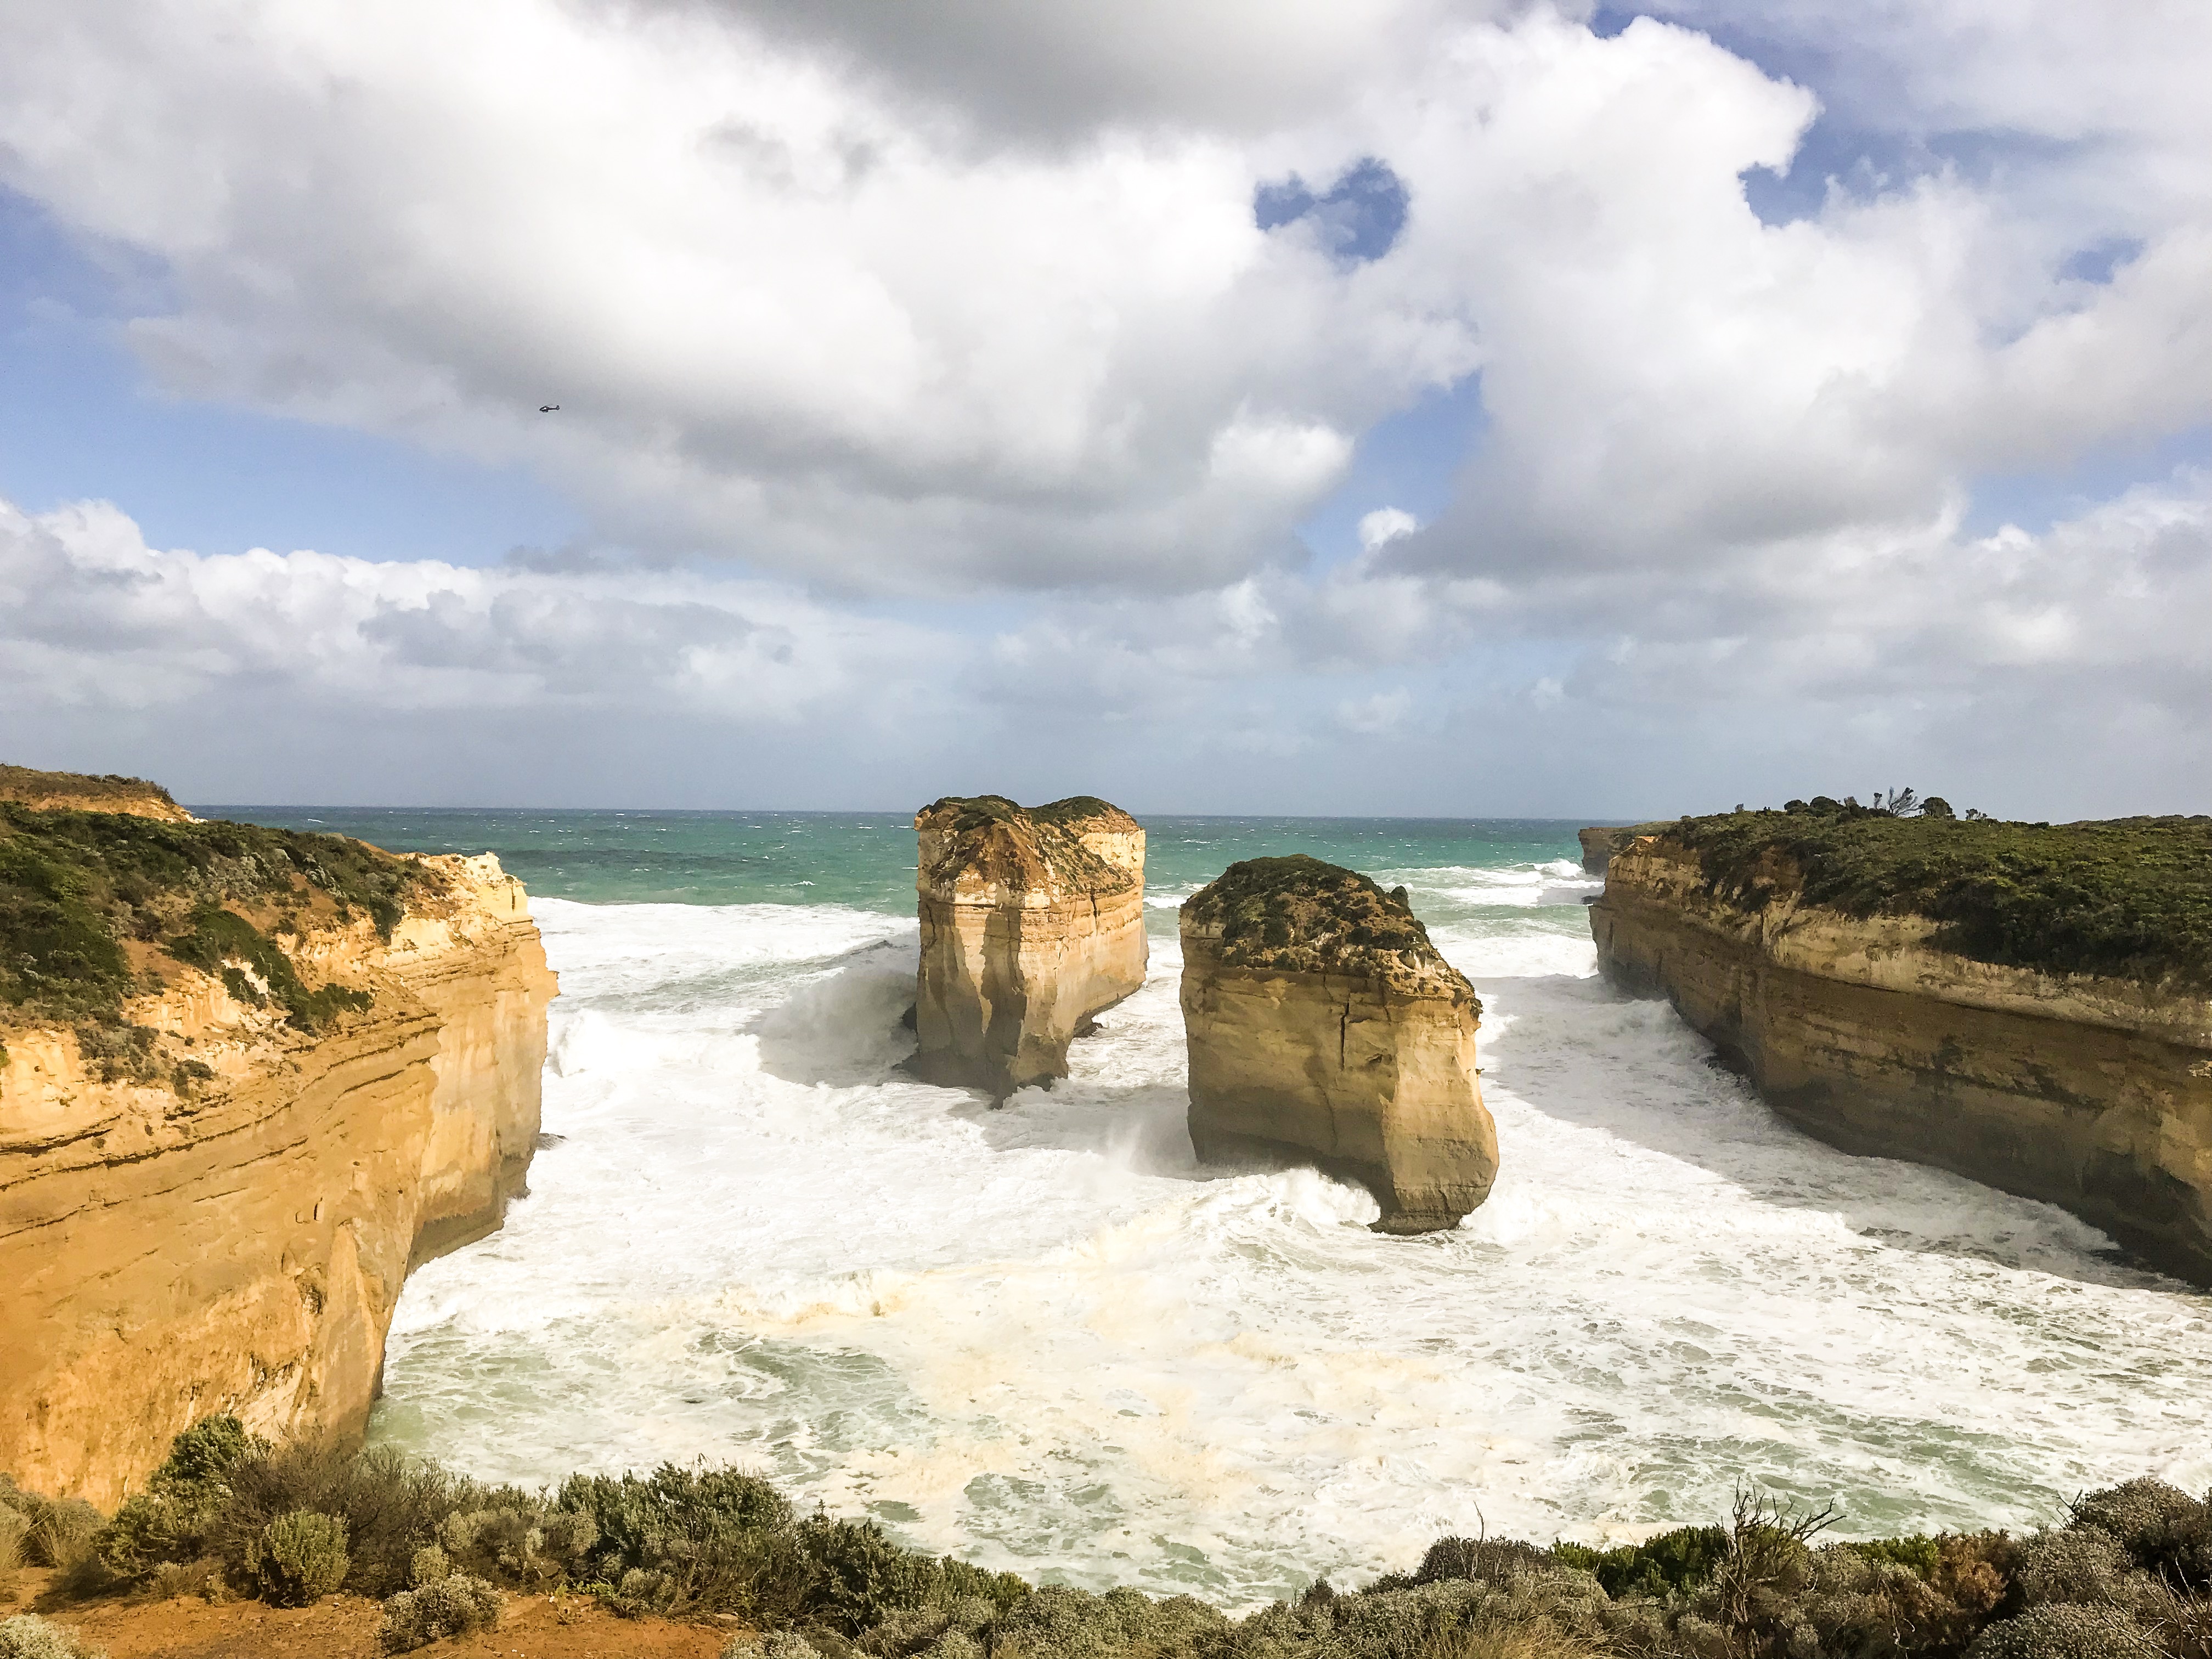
{"points": [[1672, 1561], [1056, 1621], [298, 1559], [2081, 1565], [777, 1644], [174, 1519], [429, 1567], [716, 1540], [525, 1545], [122, 1052], [26, 1635], [859, 1575], [390, 1507], [1480, 1559], [2066, 1630], [454, 1605], [2164, 1531], [57, 1531]]}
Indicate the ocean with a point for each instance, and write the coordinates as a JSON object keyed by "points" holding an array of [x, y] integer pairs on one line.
{"points": [[1044, 1339]]}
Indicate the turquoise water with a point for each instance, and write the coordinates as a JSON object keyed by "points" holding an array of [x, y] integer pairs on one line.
{"points": [[1045, 1338], [865, 859]]}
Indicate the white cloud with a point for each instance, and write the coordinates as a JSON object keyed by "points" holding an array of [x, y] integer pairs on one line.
{"points": [[1385, 711], [1938, 658], [977, 306], [1385, 525], [93, 617], [856, 299]]}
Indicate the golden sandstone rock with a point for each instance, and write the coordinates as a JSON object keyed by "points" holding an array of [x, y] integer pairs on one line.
{"points": [[1324, 1027], [2090, 1092], [238, 1247], [1032, 922]]}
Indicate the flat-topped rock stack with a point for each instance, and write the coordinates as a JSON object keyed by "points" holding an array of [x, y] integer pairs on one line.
{"points": [[1325, 1028], [1032, 924]]}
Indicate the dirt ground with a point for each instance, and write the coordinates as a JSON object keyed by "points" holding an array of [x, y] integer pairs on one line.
{"points": [[345, 1627]]}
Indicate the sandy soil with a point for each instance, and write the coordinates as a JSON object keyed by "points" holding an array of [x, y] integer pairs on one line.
{"points": [[345, 1627]]}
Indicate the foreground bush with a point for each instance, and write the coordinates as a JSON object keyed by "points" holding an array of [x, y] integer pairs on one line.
{"points": [[57, 1532], [2128, 1575], [453, 1605], [28, 1636], [298, 1559]]}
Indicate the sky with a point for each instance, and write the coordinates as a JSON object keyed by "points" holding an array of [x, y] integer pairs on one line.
{"points": [[1452, 408]]}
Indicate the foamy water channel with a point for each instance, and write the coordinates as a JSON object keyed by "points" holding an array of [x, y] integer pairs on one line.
{"points": [[1044, 1339]]}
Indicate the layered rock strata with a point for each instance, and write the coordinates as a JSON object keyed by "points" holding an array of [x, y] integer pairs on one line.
{"points": [[1032, 924], [232, 1236], [1325, 1028], [2090, 1092]]}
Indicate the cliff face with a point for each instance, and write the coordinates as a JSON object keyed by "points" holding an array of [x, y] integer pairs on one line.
{"points": [[235, 1241], [1325, 1028], [1599, 844], [1032, 922], [2090, 1092]]}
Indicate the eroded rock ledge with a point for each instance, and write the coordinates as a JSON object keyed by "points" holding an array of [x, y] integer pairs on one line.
{"points": [[1324, 1027], [1032, 924], [1880, 1033], [212, 1189]]}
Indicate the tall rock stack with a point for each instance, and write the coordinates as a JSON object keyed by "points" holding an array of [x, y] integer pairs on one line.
{"points": [[1324, 1027], [1032, 922]]}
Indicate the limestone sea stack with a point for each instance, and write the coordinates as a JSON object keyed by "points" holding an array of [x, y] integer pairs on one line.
{"points": [[249, 1078], [1325, 1028], [1032, 924]]}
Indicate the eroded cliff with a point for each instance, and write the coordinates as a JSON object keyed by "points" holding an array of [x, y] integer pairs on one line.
{"points": [[2019, 1004], [1324, 1027], [302, 1066], [1600, 842], [1032, 923]]}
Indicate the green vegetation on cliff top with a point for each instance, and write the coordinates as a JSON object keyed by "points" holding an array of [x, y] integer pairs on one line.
{"points": [[24, 783], [1054, 831], [1299, 913], [78, 890], [2127, 897], [2127, 1574]]}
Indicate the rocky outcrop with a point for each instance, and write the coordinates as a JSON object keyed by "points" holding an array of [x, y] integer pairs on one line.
{"points": [[2090, 1092], [1032, 923], [1325, 1028], [1601, 844], [76, 792], [231, 1236]]}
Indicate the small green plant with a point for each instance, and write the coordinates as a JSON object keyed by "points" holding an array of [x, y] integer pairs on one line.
{"points": [[1671, 1561], [454, 1605], [298, 1559]]}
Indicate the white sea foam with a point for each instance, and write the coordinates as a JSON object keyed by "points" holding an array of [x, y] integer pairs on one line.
{"points": [[1045, 1337]]}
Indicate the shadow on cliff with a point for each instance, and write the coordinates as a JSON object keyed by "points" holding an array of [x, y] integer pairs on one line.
{"points": [[1578, 1051]]}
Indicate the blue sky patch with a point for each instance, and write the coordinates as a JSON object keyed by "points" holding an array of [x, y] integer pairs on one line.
{"points": [[1358, 218]]}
